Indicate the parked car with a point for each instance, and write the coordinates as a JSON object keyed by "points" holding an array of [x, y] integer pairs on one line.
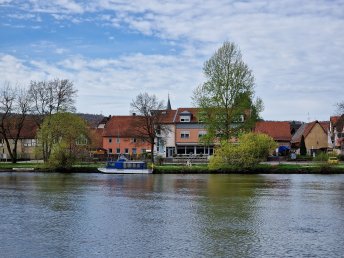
{"points": [[332, 160]]}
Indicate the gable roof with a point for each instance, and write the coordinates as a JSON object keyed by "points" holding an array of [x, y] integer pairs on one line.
{"points": [[167, 116], [278, 130], [186, 111], [305, 129], [121, 126], [28, 130]]}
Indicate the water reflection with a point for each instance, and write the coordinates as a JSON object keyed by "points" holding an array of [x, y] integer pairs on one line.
{"points": [[171, 215]]}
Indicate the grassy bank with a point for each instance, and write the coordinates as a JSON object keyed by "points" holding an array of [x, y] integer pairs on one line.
{"points": [[312, 168], [315, 168]]}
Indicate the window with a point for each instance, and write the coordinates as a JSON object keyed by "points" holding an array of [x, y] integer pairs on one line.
{"points": [[118, 140], [184, 118], [82, 140], [110, 140], [133, 140], [118, 151], [143, 150], [134, 151], [201, 134], [28, 142], [185, 134], [126, 150], [110, 150]]}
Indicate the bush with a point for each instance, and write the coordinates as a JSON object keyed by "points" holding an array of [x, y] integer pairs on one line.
{"points": [[61, 159], [341, 157], [252, 149], [322, 156]]}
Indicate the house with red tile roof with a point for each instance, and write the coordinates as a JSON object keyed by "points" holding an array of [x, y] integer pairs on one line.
{"points": [[121, 136], [188, 133], [315, 135], [280, 131]]}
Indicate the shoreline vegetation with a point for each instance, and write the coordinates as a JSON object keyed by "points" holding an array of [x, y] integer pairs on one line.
{"points": [[273, 168]]}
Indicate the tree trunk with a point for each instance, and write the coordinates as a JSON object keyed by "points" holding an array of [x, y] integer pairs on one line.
{"points": [[152, 152]]}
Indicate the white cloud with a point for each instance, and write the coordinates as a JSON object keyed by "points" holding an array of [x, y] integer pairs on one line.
{"points": [[295, 53], [101, 82]]}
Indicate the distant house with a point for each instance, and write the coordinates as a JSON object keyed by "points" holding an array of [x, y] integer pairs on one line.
{"points": [[315, 135], [120, 136], [337, 132], [27, 141], [189, 131], [280, 131], [165, 143]]}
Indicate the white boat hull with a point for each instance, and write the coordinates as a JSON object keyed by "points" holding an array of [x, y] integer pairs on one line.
{"points": [[124, 171]]}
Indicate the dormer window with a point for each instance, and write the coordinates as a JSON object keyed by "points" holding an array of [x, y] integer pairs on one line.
{"points": [[185, 117]]}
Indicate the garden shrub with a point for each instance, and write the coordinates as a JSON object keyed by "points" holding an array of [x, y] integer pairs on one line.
{"points": [[251, 149]]}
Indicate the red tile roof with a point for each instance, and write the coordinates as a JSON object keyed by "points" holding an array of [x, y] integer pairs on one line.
{"points": [[305, 129], [28, 130], [278, 130], [121, 126], [167, 116], [193, 111], [334, 119]]}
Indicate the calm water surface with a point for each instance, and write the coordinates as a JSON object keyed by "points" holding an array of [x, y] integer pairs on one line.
{"points": [[86, 215]]}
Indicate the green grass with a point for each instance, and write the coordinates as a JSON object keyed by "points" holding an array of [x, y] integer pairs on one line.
{"points": [[315, 167]]}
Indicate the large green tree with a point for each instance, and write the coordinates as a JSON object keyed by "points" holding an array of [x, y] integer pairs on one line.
{"points": [[62, 132], [226, 98]]}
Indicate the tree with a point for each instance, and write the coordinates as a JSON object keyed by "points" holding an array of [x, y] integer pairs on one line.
{"points": [[61, 131], [340, 108], [148, 124], [303, 149], [51, 97], [15, 106], [251, 149], [226, 98]]}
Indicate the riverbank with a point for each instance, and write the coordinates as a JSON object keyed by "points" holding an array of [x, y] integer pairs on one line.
{"points": [[266, 168]]}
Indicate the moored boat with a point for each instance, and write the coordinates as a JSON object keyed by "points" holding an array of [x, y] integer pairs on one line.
{"points": [[125, 166]]}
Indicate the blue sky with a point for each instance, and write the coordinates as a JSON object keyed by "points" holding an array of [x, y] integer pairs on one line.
{"points": [[114, 49]]}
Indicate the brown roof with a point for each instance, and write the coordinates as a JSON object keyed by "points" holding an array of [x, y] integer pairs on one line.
{"points": [[167, 116], [305, 129], [192, 111], [28, 130], [121, 126], [325, 125], [334, 119], [278, 130]]}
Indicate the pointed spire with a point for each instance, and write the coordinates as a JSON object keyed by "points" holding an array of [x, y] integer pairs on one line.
{"points": [[168, 103]]}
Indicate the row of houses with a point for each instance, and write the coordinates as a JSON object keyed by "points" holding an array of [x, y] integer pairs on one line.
{"points": [[318, 135], [116, 135]]}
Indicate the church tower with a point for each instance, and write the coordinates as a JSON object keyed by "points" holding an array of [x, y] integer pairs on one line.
{"points": [[168, 103]]}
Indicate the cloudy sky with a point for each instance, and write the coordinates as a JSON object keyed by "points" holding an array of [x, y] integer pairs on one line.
{"points": [[114, 49]]}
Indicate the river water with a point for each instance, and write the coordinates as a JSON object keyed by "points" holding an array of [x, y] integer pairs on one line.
{"points": [[86, 215]]}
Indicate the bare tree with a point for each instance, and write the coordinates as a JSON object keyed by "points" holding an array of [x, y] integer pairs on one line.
{"points": [[51, 97], [149, 122], [340, 107], [15, 106]]}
